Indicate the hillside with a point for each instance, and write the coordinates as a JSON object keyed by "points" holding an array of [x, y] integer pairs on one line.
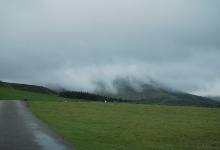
{"points": [[141, 93], [159, 96], [154, 93], [29, 88], [216, 98], [179, 98]]}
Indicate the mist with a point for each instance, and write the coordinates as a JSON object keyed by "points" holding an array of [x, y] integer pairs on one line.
{"points": [[84, 45]]}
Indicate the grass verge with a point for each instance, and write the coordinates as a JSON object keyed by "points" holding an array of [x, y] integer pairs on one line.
{"points": [[98, 126]]}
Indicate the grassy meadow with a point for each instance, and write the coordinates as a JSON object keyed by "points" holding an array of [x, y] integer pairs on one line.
{"points": [[98, 126], [123, 126]]}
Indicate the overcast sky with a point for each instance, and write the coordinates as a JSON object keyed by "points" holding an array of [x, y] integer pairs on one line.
{"points": [[75, 43]]}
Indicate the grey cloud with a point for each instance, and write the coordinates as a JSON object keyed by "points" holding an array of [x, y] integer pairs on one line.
{"points": [[74, 43]]}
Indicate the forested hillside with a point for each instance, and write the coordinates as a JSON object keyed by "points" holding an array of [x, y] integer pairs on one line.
{"points": [[90, 96]]}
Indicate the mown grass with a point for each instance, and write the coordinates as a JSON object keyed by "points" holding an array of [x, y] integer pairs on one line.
{"points": [[121, 126]]}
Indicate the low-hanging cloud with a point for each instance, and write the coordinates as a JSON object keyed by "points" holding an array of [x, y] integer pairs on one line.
{"points": [[75, 44]]}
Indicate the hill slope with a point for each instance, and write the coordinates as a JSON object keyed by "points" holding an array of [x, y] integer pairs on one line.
{"points": [[216, 98], [143, 93], [13, 94], [153, 93], [29, 88]]}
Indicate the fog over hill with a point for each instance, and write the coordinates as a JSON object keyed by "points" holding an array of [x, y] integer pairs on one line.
{"points": [[217, 98], [128, 84], [124, 90], [150, 92], [88, 45]]}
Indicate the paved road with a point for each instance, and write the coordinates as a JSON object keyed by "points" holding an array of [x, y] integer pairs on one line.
{"points": [[21, 130]]}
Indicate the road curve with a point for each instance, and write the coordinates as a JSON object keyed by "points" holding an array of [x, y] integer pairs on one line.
{"points": [[21, 130]]}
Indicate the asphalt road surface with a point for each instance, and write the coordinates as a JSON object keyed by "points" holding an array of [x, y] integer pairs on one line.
{"points": [[21, 130]]}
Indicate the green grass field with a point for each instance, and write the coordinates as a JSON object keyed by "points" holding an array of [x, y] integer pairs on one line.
{"points": [[98, 125]]}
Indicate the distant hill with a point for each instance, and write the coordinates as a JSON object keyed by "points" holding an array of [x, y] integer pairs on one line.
{"points": [[29, 88], [133, 90], [153, 93], [216, 98], [178, 98]]}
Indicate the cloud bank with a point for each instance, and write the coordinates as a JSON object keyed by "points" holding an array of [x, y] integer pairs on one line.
{"points": [[75, 43]]}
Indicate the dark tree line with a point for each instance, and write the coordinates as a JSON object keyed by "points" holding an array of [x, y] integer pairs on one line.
{"points": [[90, 96]]}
